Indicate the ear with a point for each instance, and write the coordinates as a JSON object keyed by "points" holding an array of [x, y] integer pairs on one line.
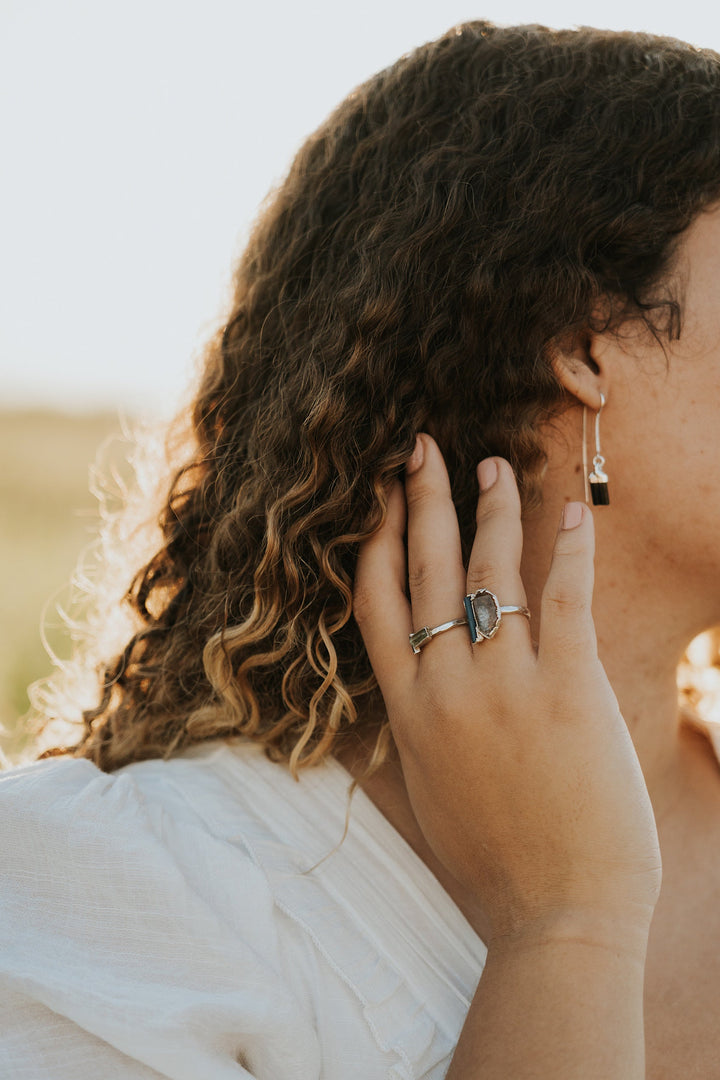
{"points": [[578, 362]]}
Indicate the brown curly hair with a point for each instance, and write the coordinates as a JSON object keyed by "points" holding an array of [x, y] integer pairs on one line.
{"points": [[453, 218]]}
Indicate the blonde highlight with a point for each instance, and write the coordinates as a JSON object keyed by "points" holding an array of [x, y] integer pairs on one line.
{"points": [[452, 219]]}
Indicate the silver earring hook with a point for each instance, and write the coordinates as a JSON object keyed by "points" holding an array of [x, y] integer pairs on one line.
{"points": [[598, 460]]}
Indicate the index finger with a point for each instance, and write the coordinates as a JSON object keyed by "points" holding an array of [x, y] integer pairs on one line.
{"points": [[380, 606]]}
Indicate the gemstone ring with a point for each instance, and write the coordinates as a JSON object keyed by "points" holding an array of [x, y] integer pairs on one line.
{"points": [[483, 615]]}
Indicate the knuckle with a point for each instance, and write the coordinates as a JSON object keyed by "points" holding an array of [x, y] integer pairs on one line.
{"points": [[570, 543], [564, 602], [482, 574], [419, 577], [442, 711], [435, 703], [489, 506], [565, 558], [364, 604], [418, 493]]}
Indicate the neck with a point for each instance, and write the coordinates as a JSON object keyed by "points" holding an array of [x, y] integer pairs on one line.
{"points": [[646, 610]]}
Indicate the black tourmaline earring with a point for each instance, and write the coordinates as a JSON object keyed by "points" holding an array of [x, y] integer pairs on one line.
{"points": [[598, 477]]}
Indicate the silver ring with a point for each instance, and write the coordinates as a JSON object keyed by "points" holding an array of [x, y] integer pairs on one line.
{"points": [[483, 615], [421, 637]]}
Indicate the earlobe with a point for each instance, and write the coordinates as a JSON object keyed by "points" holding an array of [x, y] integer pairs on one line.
{"points": [[575, 365]]}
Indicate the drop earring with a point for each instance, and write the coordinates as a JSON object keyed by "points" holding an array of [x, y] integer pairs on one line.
{"points": [[596, 483]]}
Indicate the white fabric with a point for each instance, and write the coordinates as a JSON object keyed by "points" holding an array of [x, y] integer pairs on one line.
{"points": [[168, 920], [159, 922]]}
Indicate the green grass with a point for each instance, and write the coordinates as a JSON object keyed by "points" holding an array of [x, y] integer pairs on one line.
{"points": [[47, 517]]}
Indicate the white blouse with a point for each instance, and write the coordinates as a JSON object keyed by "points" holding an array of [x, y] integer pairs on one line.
{"points": [[194, 919]]}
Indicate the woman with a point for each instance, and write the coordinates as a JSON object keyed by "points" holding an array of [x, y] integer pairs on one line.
{"points": [[506, 235]]}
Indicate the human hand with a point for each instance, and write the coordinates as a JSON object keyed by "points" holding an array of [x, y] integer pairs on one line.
{"points": [[518, 763]]}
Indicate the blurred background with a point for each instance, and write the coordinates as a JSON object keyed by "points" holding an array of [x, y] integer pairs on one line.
{"points": [[140, 139]]}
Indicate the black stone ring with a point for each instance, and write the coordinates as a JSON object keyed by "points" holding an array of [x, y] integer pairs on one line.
{"points": [[484, 614]]}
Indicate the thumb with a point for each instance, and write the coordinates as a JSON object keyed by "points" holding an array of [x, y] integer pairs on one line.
{"points": [[567, 631]]}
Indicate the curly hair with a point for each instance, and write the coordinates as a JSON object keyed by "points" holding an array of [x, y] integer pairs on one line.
{"points": [[450, 222]]}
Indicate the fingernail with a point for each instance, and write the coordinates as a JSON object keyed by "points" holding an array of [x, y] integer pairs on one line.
{"points": [[416, 459], [572, 515], [487, 472]]}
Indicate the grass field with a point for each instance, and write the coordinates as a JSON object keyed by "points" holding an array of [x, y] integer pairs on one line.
{"points": [[47, 515]]}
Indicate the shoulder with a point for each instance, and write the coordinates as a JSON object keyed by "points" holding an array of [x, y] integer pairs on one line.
{"points": [[128, 922], [181, 913], [62, 812], [29, 788], [156, 827], [156, 797]]}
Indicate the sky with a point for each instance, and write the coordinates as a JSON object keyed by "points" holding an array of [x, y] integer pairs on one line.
{"points": [[139, 140]]}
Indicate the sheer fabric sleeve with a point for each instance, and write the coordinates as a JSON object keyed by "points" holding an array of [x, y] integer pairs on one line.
{"points": [[127, 951]]}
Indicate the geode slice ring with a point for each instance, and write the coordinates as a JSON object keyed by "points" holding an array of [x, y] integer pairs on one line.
{"points": [[484, 614]]}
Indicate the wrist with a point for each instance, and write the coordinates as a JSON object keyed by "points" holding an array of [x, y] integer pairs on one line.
{"points": [[621, 931]]}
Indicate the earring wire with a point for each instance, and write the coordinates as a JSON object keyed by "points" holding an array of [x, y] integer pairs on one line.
{"points": [[598, 460], [603, 399], [585, 459]]}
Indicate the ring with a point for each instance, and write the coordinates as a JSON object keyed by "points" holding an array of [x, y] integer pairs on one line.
{"points": [[483, 615], [422, 636]]}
